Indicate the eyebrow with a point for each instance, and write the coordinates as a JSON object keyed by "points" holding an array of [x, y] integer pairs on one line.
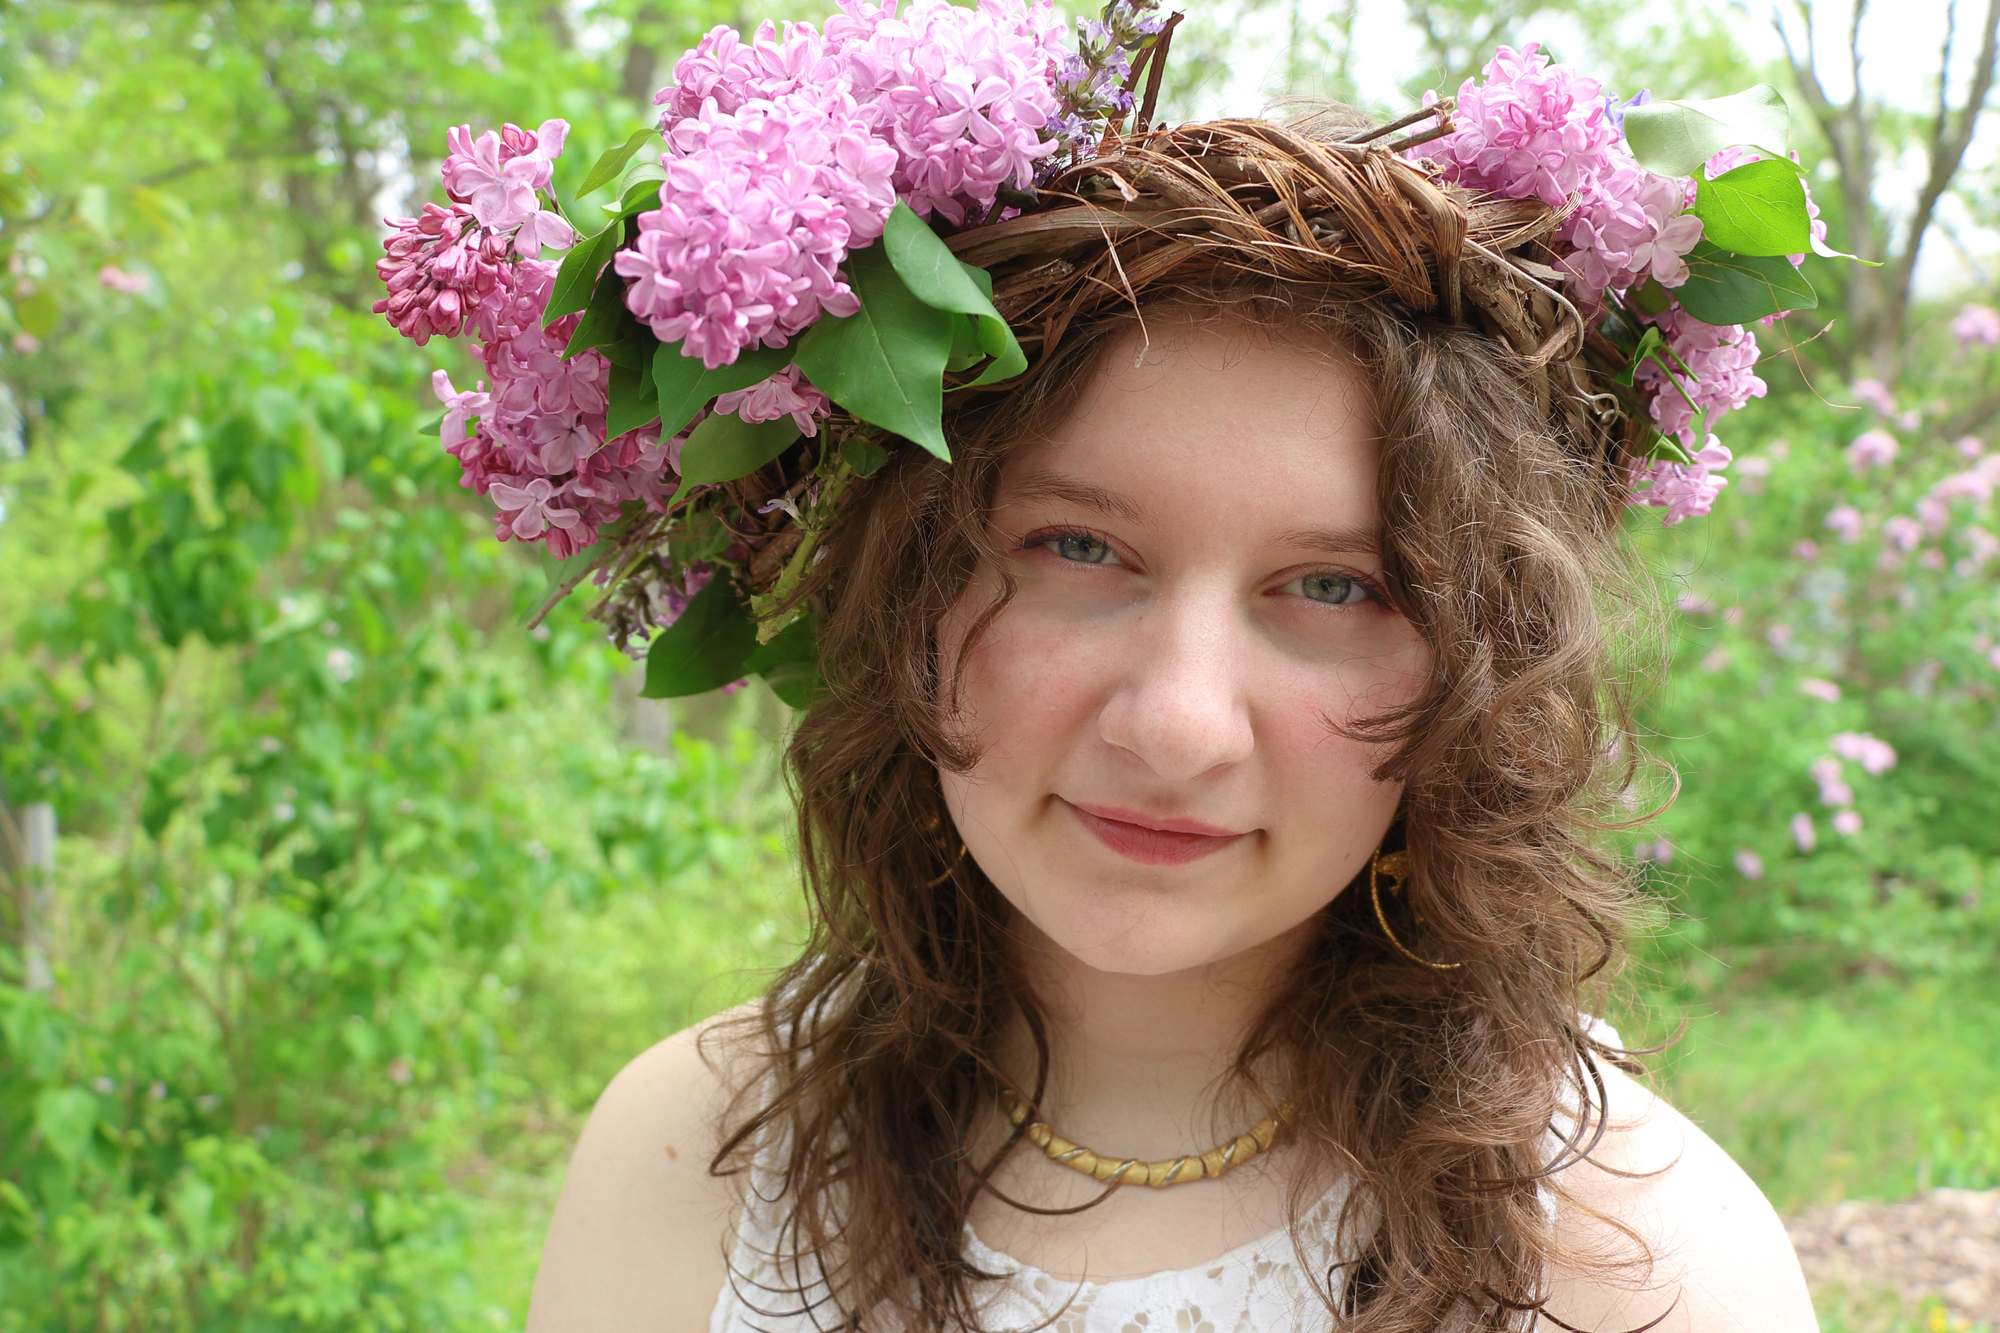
{"points": [[1361, 540], [1056, 486]]}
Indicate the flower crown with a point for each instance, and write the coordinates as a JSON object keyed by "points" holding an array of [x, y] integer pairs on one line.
{"points": [[847, 224]]}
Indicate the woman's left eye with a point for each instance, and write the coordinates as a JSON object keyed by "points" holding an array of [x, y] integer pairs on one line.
{"points": [[1332, 589]]}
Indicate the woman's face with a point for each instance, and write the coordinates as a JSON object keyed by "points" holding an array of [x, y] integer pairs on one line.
{"points": [[1200, 594]]}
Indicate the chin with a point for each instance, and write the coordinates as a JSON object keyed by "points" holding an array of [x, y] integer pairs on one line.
{"points": [[1124, 930]]}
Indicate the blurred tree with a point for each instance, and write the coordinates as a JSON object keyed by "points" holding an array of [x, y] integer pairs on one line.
{"points": [[1861, 135]]}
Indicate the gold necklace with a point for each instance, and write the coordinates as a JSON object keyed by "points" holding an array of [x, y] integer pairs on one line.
{"points": [[1130, 1171]]}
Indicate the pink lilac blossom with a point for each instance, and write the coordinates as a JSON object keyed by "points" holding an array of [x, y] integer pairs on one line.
{"points": [[789, 150], [1749, 864], [1847, 823], [1823, 690], [498, 175], [1874, 448], [1970, 446], [1684, 490], [787, 393], [1723, 360], [1875, 756], [1806, 550], [449, 270], [1804, 836], [1976, 324], [1844, 521]]}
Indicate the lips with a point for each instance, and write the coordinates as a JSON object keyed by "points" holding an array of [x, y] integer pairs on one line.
{"points": [[1149, 839]]}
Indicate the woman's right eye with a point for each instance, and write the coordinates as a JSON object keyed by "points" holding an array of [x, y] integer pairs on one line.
{"points": [[1081, 547]]}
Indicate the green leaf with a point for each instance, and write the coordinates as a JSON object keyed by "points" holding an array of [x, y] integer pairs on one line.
{"points": [[966, 349], [726, 447], [1674, 138], [603, 319], [641, 196], [38, 312], [633, 399], [66, 1117], [1725, 288], [1756, 209], [1650, 343], [434, 427], [940, 279], [1651, 298], [884, 363], [705, 649], [686, 386], [577, 277], [1667, 447], [608, 167], [863, 455], [789, 663]]}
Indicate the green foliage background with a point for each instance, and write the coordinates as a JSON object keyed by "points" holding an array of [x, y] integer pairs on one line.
{"points": [[364, 892]]}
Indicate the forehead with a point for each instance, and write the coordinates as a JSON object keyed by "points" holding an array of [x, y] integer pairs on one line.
{"points": [[1218, 418]]}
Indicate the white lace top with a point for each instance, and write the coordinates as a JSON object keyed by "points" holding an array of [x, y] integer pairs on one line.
{"points": [[1255, 1288]]}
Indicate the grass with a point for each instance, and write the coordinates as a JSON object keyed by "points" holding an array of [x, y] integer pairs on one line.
{"points": [[1873, 1089]]}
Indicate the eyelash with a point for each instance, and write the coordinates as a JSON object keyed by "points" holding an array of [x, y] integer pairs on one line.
{"points": [[1049, 537]]}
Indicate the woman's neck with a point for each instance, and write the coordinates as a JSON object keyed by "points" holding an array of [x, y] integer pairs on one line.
{"points": [[1139, 1064]]}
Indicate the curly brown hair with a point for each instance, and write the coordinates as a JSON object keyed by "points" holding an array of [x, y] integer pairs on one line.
{"points": [[1432, 1091]]}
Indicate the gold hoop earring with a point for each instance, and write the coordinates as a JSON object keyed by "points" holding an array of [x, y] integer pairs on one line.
{"points": [[936, 828], [1396, 865]]}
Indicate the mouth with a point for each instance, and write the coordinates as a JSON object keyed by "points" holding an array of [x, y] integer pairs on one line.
{"points": [[1150, 840]]}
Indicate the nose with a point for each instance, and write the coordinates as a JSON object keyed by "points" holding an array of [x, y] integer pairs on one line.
{"points": [[1182, 708]]}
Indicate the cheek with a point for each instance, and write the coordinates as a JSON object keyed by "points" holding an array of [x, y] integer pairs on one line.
{"points": [[1028, 687]]}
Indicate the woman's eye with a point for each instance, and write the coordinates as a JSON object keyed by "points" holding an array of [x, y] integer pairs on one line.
{"points": [[1081, 547], [1333, 589]]}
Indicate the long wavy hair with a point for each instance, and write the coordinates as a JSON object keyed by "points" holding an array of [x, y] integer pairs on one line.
{"points": [[1432, 1092]]}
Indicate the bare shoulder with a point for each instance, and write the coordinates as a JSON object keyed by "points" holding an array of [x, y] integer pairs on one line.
{"points": [[641, 1229], [1721, 1258]]}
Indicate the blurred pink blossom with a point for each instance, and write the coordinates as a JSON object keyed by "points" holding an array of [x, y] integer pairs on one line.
{"points": [[1749, 864], [1993, 658], [1823, 690], [115, 279], [1716, 660], [1844, 521], [1931, 558], [1910, 420], [1875, 394], [1874, 448], [1804, 836], [1778, 636], [1903, 532], [1847, 823], [1976, 324], [1876, 757], [1833, 788], [1806, 550], [1970, 446], [1692, 604], [1980, 547]]}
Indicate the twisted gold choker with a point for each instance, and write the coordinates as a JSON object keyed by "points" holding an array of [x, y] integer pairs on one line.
{"points": [[1130, 1171]]}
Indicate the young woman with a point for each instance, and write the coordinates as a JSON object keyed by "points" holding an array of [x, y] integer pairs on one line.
{"points": [[1201, 796]]}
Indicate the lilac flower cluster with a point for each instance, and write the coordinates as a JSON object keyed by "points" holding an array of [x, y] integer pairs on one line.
{"points": [[537, 446], [1090, 82], [789, 150], [1536, 130], [452, 269]]}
